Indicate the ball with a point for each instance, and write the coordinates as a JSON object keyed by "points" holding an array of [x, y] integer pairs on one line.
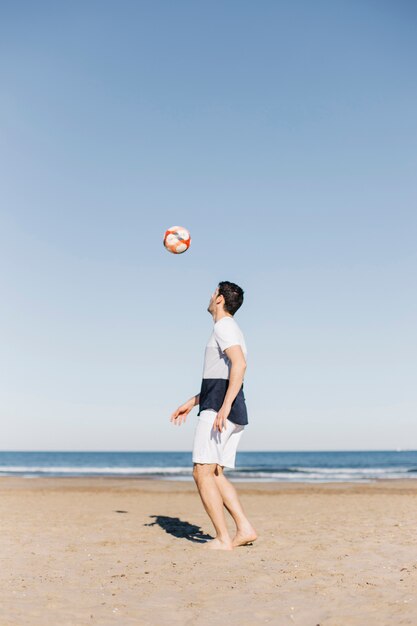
{"points": [[177, 239]]}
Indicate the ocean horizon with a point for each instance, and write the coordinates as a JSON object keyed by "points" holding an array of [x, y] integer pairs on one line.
{"points": [[268, 466]]}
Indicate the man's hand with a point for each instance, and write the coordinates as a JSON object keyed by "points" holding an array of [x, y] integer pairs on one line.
{"points": [[180, 415], [221, 417]]}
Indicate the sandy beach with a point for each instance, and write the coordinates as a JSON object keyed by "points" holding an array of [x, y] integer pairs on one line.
{"points": [[128, 551]]}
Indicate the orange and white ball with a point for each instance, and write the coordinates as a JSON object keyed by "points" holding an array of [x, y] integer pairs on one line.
{"points": [[177, 239]]}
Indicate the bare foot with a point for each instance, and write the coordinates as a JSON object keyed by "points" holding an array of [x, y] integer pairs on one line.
{"points": [[216, 544], [243, 537]]}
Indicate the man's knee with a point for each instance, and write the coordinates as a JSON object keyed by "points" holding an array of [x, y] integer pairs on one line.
{"points": [[202, 471]]}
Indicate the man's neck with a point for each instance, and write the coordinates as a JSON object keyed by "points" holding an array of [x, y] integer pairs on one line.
{"points": [[217, 316]]}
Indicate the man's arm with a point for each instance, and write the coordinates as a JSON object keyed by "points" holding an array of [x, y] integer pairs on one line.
{"points": [[180, 415], [237, 374]]}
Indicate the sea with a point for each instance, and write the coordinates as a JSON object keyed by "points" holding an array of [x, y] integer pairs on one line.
{"points": [[308, 467]]}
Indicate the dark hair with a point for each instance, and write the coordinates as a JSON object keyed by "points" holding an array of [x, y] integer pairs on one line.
{"points": [[233, 296]]}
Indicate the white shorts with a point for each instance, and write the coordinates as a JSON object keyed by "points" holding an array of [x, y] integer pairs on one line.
{"points": [[212, 446]]}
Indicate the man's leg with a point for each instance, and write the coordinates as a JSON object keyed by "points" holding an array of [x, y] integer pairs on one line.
{"points": [[213, 503], [245, 532]]}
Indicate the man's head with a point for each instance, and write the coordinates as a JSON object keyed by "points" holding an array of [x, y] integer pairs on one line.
{"points": [[227, 298]]}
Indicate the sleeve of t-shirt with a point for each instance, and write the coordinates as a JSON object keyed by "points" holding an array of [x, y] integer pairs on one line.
{"points": [[226, 336]]}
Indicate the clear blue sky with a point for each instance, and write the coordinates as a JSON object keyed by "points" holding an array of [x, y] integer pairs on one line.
{"points": [[283, 135]]}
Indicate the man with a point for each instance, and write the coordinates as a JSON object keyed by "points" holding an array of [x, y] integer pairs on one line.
{"points": [[222, 418]]}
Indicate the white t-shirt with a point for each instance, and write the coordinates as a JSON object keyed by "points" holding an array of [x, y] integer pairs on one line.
{"points": [[216, 371]]}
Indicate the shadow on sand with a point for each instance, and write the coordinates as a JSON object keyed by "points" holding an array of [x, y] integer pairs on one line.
{"points": [[183, 530]]}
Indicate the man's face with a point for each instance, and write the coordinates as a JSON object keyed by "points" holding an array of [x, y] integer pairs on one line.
{"points": [[212, 304]]}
